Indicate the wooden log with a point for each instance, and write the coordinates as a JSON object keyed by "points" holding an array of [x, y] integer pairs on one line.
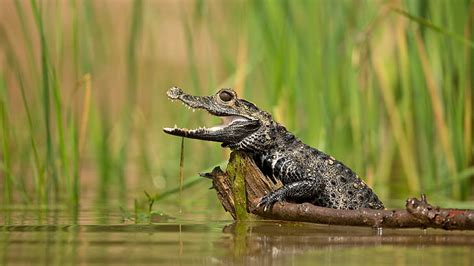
{"points": [[242, 172]]}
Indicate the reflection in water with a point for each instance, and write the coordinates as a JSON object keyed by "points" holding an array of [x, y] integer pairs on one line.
{"points": [[58, 241], [268, 242]]}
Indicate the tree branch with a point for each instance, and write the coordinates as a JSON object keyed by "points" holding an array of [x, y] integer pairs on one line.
{"points": [[418, 213]]}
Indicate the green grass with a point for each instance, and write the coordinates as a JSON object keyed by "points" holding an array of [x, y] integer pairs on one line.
{"points": [[386, 88], [5, 136]]}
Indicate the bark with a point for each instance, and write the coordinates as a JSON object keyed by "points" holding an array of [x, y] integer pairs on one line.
{"points": [[242, 170]]}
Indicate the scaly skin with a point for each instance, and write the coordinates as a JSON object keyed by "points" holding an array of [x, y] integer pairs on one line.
{"points": [[307, 174]]}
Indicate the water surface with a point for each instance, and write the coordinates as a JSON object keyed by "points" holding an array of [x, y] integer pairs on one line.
{"points": [[56, 238]]}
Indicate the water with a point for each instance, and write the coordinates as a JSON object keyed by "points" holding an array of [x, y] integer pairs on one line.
{"points": [[92, 237]]}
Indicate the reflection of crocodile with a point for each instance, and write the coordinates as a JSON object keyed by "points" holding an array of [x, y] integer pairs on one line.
{"points": [[308, 175]]}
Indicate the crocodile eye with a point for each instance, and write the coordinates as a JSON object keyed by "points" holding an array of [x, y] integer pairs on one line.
{"points": [[226, 96]]}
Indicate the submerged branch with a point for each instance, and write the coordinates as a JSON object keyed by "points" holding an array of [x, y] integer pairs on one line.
{"points": [[417, 214]]}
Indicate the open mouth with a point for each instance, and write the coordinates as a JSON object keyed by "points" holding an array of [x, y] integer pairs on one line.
{"points": [[193, 103], [226, 122]]}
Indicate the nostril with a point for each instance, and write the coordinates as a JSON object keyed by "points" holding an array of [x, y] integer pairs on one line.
{"points": [[174, 92]]}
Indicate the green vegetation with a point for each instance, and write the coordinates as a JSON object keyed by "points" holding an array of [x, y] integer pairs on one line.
{"points": [[386, 87]]}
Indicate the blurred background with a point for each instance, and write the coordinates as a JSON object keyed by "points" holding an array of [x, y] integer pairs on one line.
{"points": [[384, 86]]}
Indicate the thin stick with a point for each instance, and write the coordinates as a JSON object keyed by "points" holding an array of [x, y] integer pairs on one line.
{"points": [[181, 175]]}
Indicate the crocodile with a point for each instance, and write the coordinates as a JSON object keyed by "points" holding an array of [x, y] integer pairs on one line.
{"points": [[307, 174]]}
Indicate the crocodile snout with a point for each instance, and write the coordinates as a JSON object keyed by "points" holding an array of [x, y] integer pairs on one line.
{"points": [[174, 92]]}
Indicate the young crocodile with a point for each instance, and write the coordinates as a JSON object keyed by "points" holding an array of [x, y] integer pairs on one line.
{"points": [[307, 174]]}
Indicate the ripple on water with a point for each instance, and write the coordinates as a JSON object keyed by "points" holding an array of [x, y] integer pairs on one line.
{"points": [[54, 240]]}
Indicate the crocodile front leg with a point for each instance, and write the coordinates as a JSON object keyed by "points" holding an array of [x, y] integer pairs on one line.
{"points": [[299, 192]]}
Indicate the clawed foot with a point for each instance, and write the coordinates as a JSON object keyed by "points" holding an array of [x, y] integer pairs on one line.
{"points": [[268, 200]]}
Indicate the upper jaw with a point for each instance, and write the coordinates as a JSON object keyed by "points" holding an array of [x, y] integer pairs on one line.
{"points": [[174, 92], [207, 103], [192, 102]]}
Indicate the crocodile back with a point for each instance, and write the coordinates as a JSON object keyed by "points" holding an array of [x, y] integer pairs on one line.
{"points": [[334, 184]]}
